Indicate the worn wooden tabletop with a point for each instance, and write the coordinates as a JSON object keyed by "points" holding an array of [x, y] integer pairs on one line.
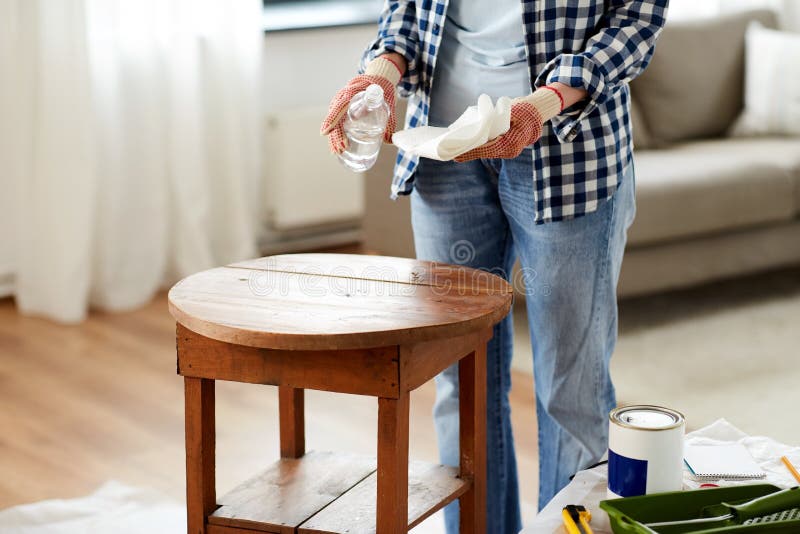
{"points": [[338, 301]]}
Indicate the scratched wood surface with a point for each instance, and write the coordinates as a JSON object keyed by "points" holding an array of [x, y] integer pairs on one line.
{"points": [[291, 491], [326, 492], [430, 487], [338, 301]]}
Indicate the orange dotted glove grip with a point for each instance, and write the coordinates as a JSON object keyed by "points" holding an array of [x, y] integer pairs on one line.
{"points": [[332, 125], [526, 129]]}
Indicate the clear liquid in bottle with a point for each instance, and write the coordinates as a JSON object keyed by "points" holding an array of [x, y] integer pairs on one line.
{"points": [[364, 126]]}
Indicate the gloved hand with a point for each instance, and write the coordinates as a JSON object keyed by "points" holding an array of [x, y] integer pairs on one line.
{"points": [[528, 114], [381, 71]]}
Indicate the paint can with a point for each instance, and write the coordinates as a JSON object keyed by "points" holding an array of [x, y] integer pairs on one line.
{"points": [[645, 450]]}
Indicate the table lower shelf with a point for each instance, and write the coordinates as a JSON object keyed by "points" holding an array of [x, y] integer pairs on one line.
{"points": [[325, 492]]}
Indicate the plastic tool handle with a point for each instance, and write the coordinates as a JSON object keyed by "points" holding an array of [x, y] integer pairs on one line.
{"points": [[768, 504], [576, 519], [585, 525]]}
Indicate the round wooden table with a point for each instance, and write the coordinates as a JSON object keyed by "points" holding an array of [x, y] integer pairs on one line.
{"points": [[360, 324]]}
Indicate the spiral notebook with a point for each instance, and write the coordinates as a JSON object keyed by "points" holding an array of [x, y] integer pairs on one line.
{"points": [[730, 461]]}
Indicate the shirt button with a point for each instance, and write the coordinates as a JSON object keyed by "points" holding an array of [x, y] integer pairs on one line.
{"points": [[436, 29]]}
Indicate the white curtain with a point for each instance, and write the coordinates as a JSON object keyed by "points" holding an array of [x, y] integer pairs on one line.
{"points": [[129, 147], [788, 10]]}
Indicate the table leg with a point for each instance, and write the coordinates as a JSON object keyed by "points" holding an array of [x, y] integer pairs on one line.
{"points": [[200, 453], [472, 429], [292, 422], [392, 505]]}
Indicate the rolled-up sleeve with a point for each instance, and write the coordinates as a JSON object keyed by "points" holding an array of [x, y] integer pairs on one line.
{"points": [[620, 49], [397, 32]]}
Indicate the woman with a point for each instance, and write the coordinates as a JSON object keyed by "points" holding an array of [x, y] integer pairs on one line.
{"points": [[557, 191]]}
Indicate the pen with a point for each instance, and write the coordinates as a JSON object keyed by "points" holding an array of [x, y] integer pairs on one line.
{"points": [[791, 468]]}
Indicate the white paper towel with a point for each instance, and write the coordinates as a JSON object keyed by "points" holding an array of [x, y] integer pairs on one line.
{"points": [[477, 125]]}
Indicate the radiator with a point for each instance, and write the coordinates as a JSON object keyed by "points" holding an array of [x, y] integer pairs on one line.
{"points": [[308, 191]]}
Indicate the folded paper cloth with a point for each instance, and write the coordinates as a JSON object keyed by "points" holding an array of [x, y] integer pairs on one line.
{"points": [[477, 125]]}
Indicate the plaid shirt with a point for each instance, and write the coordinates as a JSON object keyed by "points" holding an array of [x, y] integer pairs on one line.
{"points": [[598, 45]]}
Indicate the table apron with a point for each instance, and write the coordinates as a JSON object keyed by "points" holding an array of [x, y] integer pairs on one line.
{"points": [[373, 371], [378, 372]]}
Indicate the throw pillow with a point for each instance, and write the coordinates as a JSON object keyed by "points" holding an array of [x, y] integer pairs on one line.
{"points": [[772, 83], [694, 86]]}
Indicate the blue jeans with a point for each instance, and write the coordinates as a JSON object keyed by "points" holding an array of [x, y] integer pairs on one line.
{"points": [[480, 214]]}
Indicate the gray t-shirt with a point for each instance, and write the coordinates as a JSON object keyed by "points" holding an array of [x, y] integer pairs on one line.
{"points": [[482, 51]]}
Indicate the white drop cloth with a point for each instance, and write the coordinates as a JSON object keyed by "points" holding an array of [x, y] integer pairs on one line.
{"points": [[589, 487], [477, 125], [113, 509]]}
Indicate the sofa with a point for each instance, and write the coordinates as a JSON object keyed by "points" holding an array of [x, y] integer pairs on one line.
{"points": [[709, 206]]}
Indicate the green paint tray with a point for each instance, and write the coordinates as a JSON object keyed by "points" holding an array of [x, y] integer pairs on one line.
{"points": [[630, 515]]}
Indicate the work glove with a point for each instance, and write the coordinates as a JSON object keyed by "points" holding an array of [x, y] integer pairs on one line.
{"points": [[380, 71], [528, 114]]}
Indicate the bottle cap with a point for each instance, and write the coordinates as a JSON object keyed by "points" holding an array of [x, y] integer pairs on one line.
{"points": [[374, 95]]}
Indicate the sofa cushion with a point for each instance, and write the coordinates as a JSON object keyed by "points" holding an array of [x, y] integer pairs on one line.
{"points": [[711, 186], [694, 85]]}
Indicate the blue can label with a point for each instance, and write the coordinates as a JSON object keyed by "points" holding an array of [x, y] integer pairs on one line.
{"points": [[627, 477]]}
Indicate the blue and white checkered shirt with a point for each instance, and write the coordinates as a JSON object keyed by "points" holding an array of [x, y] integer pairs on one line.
{"points": [[598, 45]]}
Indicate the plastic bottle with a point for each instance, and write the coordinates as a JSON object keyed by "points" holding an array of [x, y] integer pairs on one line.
{"points": [[364, 126]]}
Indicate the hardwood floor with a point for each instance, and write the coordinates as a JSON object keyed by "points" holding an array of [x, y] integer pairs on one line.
{"points": [[101, 400]]}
